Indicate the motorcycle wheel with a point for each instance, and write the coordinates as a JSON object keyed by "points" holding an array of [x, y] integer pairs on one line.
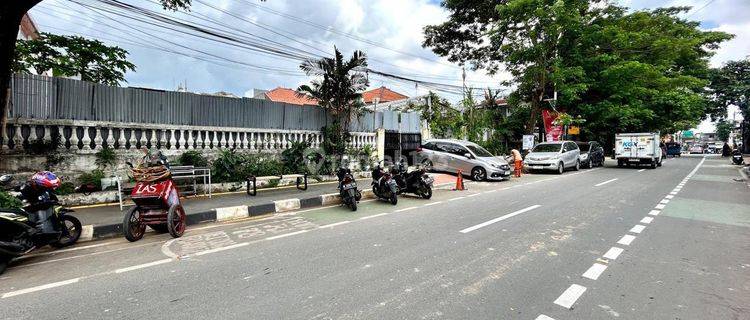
{"points": [[353, 205], [394, 199], [426, 193], [72, 230], [358, 195], [132, 227], [176, 221]]}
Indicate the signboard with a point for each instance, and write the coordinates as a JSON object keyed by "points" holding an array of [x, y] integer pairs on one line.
{"points": [[553, 132], [528, 141], [687, 134], [574, 130]]}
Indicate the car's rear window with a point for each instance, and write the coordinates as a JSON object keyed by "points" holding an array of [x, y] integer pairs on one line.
{"points": [[584, 147]]}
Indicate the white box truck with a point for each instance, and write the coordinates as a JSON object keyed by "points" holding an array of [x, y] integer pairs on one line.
{"points": [[638, 149]]}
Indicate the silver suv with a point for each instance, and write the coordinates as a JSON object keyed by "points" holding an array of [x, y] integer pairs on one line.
{"points": [[556, 156], [454, 155]]}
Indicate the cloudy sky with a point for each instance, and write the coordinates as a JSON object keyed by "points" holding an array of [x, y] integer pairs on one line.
{"points": [[389, 31]]}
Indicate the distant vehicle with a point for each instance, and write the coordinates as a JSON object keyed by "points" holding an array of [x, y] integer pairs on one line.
{"points": [[556, 156], [696, 149], [674, 149], [592, 154], [638, 149], [454, 155]]}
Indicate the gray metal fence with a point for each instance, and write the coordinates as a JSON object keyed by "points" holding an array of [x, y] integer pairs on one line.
{"points": [[40, 97]]}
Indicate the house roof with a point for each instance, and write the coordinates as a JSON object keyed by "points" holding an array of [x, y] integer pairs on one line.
{"points": [[289, 96], [383, 94], [28, 27]]}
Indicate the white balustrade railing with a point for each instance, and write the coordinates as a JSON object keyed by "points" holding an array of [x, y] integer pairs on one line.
{"points": [[91, 136]]}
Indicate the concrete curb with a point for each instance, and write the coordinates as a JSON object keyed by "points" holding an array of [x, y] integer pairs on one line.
{"points": [[95, 232]]}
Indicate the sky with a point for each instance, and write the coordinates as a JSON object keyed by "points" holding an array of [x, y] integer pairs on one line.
{"points": [[389, 31]]}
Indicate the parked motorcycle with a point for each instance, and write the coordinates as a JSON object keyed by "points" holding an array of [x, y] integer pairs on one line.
{"points": [[348, 191], [42, 221], [737, 157], [416, 181], [383, 185]]}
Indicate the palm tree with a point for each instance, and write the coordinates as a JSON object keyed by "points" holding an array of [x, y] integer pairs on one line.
{"points": [[338, 87]]}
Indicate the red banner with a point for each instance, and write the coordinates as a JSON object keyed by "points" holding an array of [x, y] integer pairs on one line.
{"points": [[554, 133]]}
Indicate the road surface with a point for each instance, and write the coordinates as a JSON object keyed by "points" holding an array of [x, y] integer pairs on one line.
{"points": [[606, 243]]}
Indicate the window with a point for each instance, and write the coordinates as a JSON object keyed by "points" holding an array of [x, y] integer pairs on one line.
{"points": [[458, 150], [429, 146], [479, 151], [547, 147], [585, 147], [571, 146]]}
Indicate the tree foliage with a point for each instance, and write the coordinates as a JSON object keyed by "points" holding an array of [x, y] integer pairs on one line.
{"points": [[730, 85], [723, 130], [337, 85], [69, 56]]}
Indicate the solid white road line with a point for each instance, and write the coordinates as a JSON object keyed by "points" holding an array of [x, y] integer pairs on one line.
{"points": [[654, 212], [605, 182], [669, 196], [472, 195], [660, 206], [432, 203], [287, 235], [637, 228], [613, 253], [145, 265], [214, 250], [334, 224], [626, 240], [641, 170], [569, 297], [510, 215], [39, 288], [647, 220], [543, 317], [595, 271], [375, 216], [405, 209]]}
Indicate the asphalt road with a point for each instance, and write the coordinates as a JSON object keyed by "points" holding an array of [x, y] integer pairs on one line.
{"points": [[607, 243]]}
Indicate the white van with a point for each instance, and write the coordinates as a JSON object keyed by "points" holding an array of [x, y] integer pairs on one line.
{"points": [[638, 149]]}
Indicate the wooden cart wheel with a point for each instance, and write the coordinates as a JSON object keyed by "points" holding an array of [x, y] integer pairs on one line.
{"points": [[132, 226], [176, 221]]}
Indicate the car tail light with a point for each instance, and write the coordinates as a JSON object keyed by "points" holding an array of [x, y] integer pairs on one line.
{"points": [[419, 149]]}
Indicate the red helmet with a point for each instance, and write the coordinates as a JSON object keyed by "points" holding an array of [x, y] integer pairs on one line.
{"points": [[45, 179]]}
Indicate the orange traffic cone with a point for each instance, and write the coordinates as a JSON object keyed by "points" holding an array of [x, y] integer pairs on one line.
{"points": [[460, 182]]}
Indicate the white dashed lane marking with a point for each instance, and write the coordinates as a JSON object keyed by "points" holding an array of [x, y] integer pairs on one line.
{"points": [[613, 253], [626, 240], [605, 182], [595, 271], [659, 206], [647, 220], [654, 212], [637, 228], [543, 317], [145, 265], [510, 215], [40, 288], [570, 296]]}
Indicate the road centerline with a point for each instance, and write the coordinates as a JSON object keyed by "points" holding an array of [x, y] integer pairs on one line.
{"points": [[498, 219], [570, 296], [605, 182]]}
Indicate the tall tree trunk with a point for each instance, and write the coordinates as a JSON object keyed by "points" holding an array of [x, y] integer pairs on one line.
{"points": [[536, 109], [11, 13]]}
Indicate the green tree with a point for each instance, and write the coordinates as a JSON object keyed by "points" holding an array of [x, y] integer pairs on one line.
{"points": [[11, 13], [337, 85], [444, 120], [526, 37], [642, 71], [723, 129], [69, 56], [730, 85]]}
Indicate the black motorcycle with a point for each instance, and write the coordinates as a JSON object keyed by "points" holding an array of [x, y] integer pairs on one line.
{"points": [[383, 185], [42, 221], [416, 181], [737, 157], [348, 188]]}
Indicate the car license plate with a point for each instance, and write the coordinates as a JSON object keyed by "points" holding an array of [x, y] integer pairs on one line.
{"points": [[537, 167]]}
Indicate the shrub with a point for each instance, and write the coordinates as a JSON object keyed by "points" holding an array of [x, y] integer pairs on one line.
{"points": [[231, 166], [94, 177], [65, 188], [226, 167], [294, 157], [106, 158], [8, 201], [193, 158]]}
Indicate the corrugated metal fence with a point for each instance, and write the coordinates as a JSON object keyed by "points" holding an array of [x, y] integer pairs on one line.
{"points": [[40, 97]]}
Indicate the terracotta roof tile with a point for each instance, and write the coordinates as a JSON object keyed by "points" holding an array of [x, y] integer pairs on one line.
{"points": [[384, 94], [289, 96]]}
